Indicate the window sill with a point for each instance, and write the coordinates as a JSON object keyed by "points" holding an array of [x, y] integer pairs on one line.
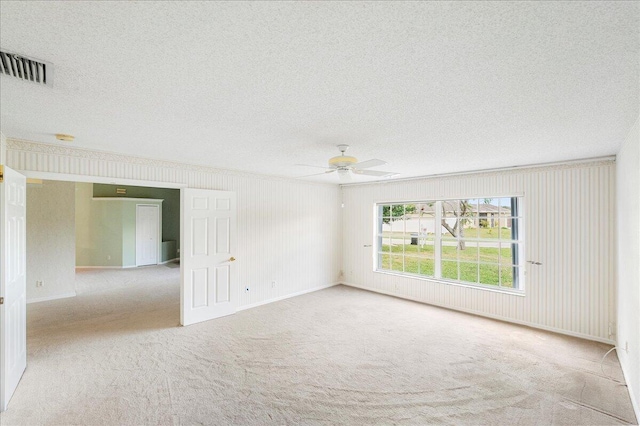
{"points": [[513, 292]]}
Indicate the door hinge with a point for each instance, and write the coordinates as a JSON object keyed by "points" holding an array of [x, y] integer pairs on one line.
{"points": [[1, 300], [1, 173]]}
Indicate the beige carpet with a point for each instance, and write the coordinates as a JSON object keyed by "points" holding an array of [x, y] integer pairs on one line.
{"points": [[115, 355]]}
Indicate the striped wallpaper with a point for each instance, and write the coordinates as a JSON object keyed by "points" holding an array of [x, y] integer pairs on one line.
{"points": [[569, 213], [288, 230], [296, 234]]}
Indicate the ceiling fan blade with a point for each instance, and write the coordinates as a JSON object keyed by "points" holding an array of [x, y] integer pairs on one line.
{"points": [[369, 163], [317, 174], [317, 167], [374, 173]]}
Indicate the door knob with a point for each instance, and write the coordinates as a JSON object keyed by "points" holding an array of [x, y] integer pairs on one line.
{"points": [[232, 259]]}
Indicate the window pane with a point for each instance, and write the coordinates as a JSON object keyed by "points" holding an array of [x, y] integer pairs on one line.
{"points": [[506, 276], [426, 227], [467, 251], [507, 254], [449, 233], [427, 267], [411, 264], [471, 227], [427, 250], [396, 263], [449, 224], [385, 227], [396, 244], [505, 207], [491, 230], [450, 270], [489, 274], [386, 243], [397, 211], [403, 239], [489, 252], [467, 207], [450, 208], [384, 261], [424, 239], [410, 248], [505, 231], [469, 272], [427, 209], [505, 213], [386, 210], [450, 250]]}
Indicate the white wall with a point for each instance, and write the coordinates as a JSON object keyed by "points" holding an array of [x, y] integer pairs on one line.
{"points": [[50, 240], [569, 227], [288, 230], [628, 220], [3, 148], [84, 241]]}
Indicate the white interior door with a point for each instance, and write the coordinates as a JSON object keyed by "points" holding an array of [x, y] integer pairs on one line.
{"points": [[147, 226], [13, 290], [208, 271]]}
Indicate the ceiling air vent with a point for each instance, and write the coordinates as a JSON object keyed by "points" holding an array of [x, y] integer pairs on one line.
{"points": [[25, 68]]}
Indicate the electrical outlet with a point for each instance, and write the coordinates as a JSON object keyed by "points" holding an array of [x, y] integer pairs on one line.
{"points": [[273, 284], [39, 283], [109, 257]]}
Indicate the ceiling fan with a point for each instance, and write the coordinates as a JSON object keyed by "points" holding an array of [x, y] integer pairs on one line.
{"points": [[346, 166]]}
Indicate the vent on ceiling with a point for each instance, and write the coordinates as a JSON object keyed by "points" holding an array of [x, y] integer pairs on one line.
{"points": [[25, 68]]}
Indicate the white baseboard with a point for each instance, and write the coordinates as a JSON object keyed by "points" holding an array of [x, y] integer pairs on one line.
{"points": [[288, 296], [168, 261], [632, 394], [109, 267], [54, 297], [99, 267], [483, 314]]}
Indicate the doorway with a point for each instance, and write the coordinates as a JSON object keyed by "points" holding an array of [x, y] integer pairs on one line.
{"points": [[213, 211]]}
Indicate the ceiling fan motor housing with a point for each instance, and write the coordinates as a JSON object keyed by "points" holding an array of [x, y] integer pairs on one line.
{"points": [[342, 161]]}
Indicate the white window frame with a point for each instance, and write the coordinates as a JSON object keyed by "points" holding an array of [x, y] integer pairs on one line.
{"points": [[437, 276]]}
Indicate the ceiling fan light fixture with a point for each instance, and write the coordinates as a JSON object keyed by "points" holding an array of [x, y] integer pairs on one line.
{"points": [[346, 166]]}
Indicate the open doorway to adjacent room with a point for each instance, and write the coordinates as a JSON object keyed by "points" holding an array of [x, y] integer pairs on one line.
{"points": [[85, 238]]}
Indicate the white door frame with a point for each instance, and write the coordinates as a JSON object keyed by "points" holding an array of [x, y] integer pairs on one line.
{"points": [[158, 232], [13, 319], [66, 177], [115, 181]]}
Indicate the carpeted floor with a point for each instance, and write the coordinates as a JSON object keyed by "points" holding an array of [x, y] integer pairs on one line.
{"points": [[115, 355]]}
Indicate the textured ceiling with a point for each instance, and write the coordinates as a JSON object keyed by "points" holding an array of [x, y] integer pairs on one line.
{"points": [[429, 87]]}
